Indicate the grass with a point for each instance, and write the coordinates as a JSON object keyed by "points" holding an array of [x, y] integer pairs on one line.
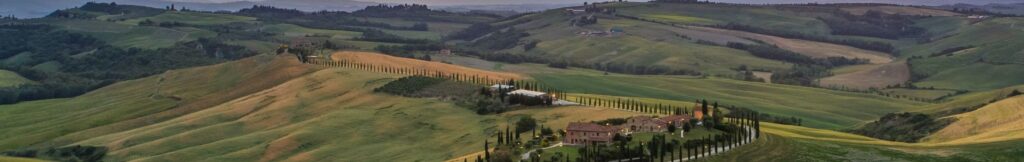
{"points": [[919, 93], [995, 122], [713, 14], [880, 76], [9, 79], [643, 43], [131, 36], [194, 18], [290, 30], [818, 108], [18, 159], [790, 143], [992, 64]]}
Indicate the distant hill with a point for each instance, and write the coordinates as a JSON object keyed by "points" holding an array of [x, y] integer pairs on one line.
{"points": [[1011, 8], [33, 9]]}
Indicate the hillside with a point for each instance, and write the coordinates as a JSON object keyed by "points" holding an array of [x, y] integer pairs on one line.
{"points": [[988, 58], [264, 108], [999, 121]]}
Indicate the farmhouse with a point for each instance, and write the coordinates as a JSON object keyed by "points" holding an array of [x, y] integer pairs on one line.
{"points": [[496, 87], [581, 133], [644, 124], [650, 124], [528, 93]]}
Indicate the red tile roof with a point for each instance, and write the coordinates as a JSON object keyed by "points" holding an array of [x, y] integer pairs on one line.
{"points": [[589, 127]]}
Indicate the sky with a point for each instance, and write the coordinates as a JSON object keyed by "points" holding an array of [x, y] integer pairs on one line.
{"points": [[910, 2]]}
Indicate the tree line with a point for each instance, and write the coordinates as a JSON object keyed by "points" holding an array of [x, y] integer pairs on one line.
{"points": [[775, 53], [863, 44]]}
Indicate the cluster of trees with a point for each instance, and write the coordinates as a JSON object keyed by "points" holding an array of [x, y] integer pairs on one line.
{"points": [[640, 69], [406, 86], [502, 39], [739, 112], [803, 75], [418, 12], [584, 20], [950, 51], [102, 66], [70, 153], [775, 53], [903, 127], [109, 8], [863, 44], [407, 50], [168, 24], [472, 32], [375, 35], [633, 105], [873, 24]]}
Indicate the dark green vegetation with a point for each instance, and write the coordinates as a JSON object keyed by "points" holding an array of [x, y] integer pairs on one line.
{"points": [[69, 64], [72, 153], [410, 86], [903, 127]]}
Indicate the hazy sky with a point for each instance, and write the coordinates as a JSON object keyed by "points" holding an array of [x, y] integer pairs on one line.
{"points": [[913, 2]]}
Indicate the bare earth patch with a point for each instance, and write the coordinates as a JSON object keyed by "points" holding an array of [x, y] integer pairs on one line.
{"points": [[874, 77], [398, 62], [767, 76]]}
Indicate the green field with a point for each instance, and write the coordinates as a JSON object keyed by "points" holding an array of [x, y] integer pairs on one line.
{"points": [[194, 18], [711, 14], [995, 62], [642, 43], [290, 30], [132, 36], [819, 108], [9, 78]]}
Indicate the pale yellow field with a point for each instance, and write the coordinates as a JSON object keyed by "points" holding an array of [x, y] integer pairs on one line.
{"points": [[399, 62], [999, 121], [875, 77]]}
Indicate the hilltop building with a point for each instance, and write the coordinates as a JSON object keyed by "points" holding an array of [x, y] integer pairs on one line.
{"points": [[580, 133]]}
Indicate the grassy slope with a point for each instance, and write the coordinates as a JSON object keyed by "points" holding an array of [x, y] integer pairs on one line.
{"points": [[18, 159], [999, 121], [818, 108], [134, 103], [264, 108], [643, 43], [193, 18], [705, 14], [789, 143], [9, 78], [131, 35], [995, 63]]}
